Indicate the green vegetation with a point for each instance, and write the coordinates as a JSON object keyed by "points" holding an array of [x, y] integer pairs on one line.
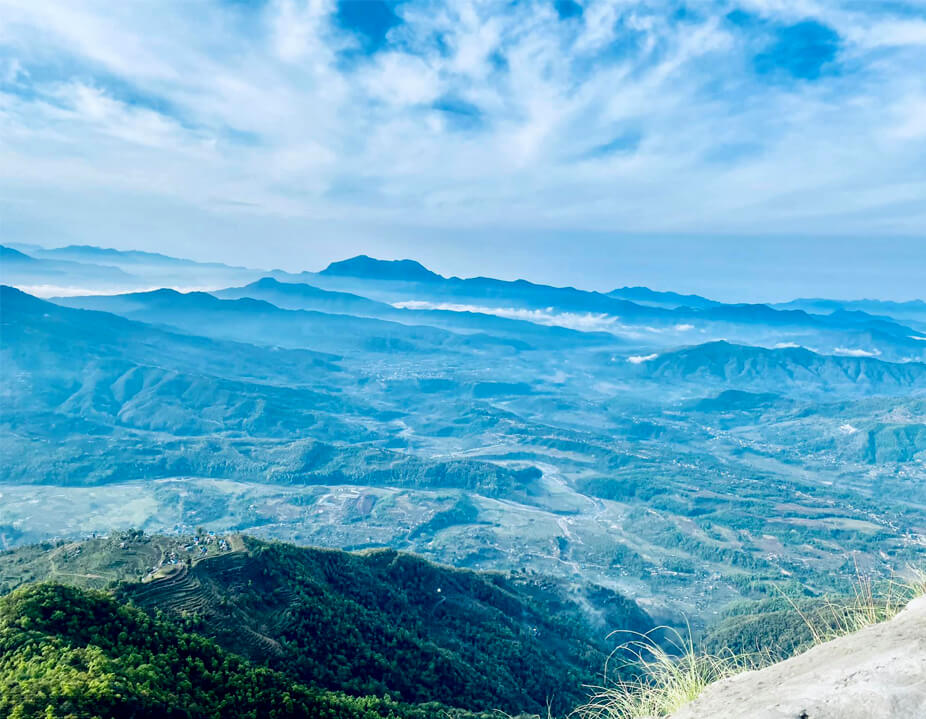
{"points": [[69, 653], [375, 623], [255, 629], [384, 622], [782, 626], [671, 672], [869, 603], [770, 625]]}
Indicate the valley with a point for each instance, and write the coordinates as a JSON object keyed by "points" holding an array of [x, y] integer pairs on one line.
{"points": [[686, 456]]}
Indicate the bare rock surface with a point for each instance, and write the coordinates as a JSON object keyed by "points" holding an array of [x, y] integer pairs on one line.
{"points": [[876, 673]]}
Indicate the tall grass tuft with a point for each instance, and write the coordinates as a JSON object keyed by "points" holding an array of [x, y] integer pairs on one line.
{"points": [[667, 676], [868, 603]]}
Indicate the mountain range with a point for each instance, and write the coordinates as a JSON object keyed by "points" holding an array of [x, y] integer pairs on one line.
{"points": [[671, 448]]}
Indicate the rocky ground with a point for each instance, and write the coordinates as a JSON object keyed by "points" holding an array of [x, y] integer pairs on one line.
{"points": [[876, 673]]}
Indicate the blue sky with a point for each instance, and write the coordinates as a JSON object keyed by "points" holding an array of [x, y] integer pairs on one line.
{"points": [[753, 149]]}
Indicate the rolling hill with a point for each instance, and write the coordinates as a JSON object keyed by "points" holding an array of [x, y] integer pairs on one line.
{"points": [[792, 368], [372, 623], [483, 423], [258, 321], [69, 652]]}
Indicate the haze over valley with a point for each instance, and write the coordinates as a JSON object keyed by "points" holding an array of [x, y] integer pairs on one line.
{"points": [[399, 359], [683, 452]]}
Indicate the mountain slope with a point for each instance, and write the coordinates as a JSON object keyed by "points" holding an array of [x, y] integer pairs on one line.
{"points": [[740, 366], [30, 325], [124, 400], [369, 623], [365, 267], [257, 321], [67, 652]]}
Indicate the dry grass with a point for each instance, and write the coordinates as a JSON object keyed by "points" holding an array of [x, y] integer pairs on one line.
{"points": [[670, 674], [869, 603], [667, 678]]}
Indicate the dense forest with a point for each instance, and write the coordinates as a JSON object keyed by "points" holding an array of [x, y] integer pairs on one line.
{"points": [[377, 623], [387, 622], [69, 653]]}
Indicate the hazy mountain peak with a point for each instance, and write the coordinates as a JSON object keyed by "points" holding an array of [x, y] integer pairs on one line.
{"points": [[13, 298], [645, 295], [8, 253], [295, 288], [366, 267], [94, 251]]}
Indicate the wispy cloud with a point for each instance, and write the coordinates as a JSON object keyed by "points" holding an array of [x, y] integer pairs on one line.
{"points": [[716, 116], [640, 359], [856, 352], [583, 321]]}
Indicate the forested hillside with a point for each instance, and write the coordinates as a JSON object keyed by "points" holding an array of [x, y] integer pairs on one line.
{"points": [[69, 653], [372, 623]]}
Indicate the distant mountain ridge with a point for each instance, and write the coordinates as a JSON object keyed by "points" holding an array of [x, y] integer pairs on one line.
{"points": [[388, 281], [671, 300], [782, 367], [246, 319], [101, 255], [16, 266], [365, 267], [301, 296]]}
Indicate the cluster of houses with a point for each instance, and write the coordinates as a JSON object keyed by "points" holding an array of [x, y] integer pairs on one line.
{"points": [[201, 543], [199, 546]]}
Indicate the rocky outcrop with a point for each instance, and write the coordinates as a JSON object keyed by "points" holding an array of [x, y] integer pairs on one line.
{"points": [[876, 673]]}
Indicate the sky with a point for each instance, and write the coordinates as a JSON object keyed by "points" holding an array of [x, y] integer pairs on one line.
{"points": [[751, 149]]}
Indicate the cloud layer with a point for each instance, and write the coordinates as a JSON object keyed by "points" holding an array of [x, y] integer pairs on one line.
{"points": [[750, 117]]}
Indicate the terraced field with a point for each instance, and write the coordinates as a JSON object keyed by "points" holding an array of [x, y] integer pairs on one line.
{"points": [[370, 622]]}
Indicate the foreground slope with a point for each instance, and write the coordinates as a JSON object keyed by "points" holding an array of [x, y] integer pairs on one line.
{"points": [[68, 652], [876, 673], [372, 623]]}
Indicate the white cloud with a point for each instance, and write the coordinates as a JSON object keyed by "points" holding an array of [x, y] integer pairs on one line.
{"points": [[277, 105], [100, 112], [402, 79], [856, 352], [298, 27], [583, 321], [911, 119], [892, 33], [640, 359], [10, 71]]}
